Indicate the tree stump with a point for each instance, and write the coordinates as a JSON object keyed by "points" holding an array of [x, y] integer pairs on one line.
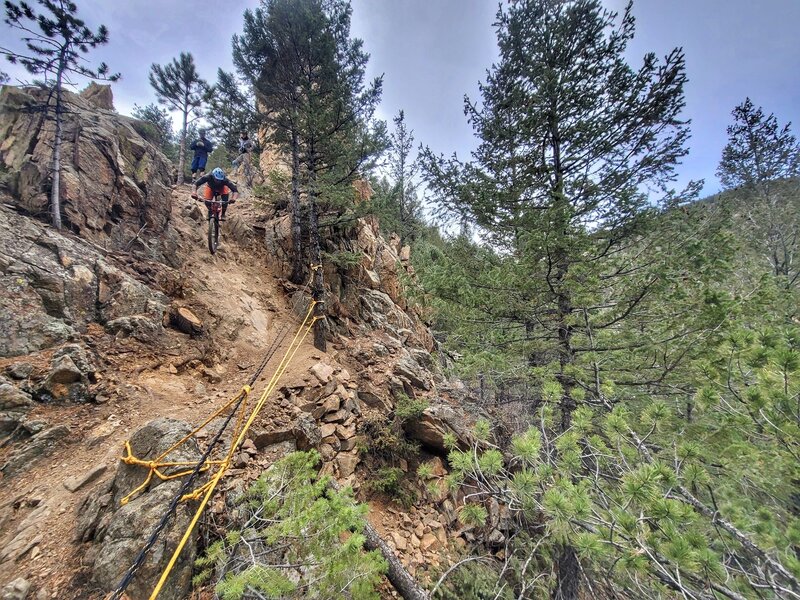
{"points": [[183, 319]]}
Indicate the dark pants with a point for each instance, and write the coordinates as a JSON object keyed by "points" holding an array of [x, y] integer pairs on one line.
{"points": [[199, 163], [224, 198]]}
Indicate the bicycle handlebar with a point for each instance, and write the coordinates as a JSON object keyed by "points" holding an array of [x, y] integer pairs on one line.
{"points": [[215, 200]]}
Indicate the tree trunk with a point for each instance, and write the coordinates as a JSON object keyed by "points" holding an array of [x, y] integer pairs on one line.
{"points": [[182, 149], [397, 575], [55, 192], [402, 581], [297, 258], [568, 580], [318, 284], [569, 572], [185, 320], [569, 575]]}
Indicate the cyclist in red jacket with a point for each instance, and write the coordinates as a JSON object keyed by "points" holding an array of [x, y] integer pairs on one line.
{"points": [[217, 185]]}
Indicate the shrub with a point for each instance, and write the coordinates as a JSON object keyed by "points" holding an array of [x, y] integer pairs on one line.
{"points": [[298, 538]]}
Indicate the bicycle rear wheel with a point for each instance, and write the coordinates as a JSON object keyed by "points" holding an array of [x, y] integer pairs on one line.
{"points": [[213, 234]]}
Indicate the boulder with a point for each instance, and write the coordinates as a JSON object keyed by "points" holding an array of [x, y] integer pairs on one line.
{"points": [[98, 95], [322, 371], [119, 532], [20, 370], [399, 541], [140, 327], [127, 533], [16, 590], [76, 482], [151, 441], [69, 377], [13, 398], [266, 437], [409, 368], [374, 397], [63, 371], [306, 432], [436, 422], [331, 403], [347, 464]]}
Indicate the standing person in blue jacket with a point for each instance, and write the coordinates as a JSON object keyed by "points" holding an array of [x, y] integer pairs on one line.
{"points": [[202, 148]]}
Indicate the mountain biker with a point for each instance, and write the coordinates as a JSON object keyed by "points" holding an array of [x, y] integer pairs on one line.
{"points": [[202, 148], [217, 185]]}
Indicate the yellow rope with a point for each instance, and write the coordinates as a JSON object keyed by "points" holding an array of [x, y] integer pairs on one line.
{"points": [[158, 463], [294, 346]]}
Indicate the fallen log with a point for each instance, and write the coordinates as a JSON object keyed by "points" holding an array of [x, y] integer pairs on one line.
{"points": [[398, 576]]}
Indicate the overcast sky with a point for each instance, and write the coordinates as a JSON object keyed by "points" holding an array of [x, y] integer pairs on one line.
{"points": [[432, 52]]}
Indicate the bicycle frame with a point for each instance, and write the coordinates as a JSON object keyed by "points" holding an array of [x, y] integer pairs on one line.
{"points": [[216, 206]]}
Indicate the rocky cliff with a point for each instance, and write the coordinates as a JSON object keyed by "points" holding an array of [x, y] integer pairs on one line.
{"points": [[115, 184]]}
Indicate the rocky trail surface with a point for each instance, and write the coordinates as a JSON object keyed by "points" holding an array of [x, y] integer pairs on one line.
{"points": [[72, 403]]}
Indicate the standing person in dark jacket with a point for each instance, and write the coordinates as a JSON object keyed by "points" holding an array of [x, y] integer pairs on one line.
{"points": [[245, 148], [217, 185], [202, 148]]}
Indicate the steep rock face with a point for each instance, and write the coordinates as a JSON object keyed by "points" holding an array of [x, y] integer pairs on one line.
{"points": [[52, 286], [114, 182], [366, 296]]}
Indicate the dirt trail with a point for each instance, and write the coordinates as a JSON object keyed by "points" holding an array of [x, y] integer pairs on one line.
{"points": [[243, 303]]}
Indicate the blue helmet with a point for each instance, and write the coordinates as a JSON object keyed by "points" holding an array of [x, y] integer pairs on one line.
{"points": [[218, 174]]}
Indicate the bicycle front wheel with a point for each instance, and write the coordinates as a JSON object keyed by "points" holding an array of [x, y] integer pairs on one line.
{"points": [[213, 234]]}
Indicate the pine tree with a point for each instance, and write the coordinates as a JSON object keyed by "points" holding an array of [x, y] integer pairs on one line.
{"points": [[179, 86], [403, 169], [308, 75], [264, 54], [56, 50], [763, 159], [230, 110], [337, 132], [160, 121], [306, 540], [571, 136]]}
